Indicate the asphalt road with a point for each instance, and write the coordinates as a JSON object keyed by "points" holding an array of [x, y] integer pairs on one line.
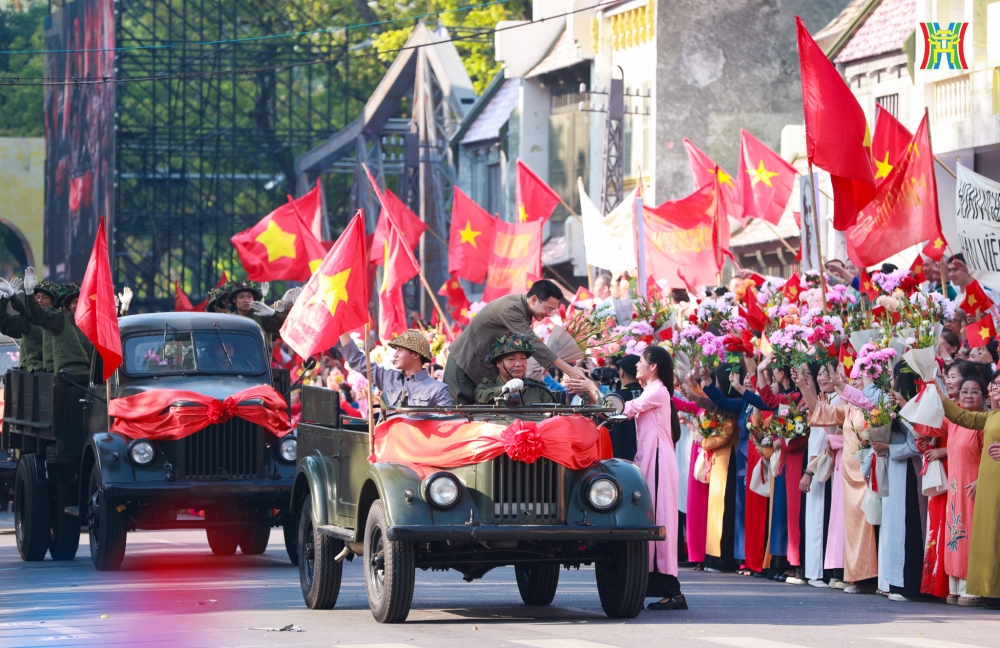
{"points": [[172, 591]]}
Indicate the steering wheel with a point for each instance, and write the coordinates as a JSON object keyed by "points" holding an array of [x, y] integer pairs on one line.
{"points": [[230, 363]]}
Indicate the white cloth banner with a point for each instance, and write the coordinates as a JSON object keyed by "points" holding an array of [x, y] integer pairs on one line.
{"points": [[609, 241], [977, 213]]}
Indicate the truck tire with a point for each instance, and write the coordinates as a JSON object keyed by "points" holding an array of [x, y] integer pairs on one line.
{"points": [[223, 540], [291, 532], [107, 527], [621, 580], [319, 573], [389, 570], [254, 539], [31, 510], [64, 529], [537, 583]]}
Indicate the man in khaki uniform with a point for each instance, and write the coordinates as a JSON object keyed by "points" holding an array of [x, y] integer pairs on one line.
{"points": [[467, 363]]}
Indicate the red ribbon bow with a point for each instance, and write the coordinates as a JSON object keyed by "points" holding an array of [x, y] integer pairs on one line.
{"points": [[923, 385]]}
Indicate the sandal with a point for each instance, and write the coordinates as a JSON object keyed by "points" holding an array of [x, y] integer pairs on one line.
{"points": [[698, 567]]}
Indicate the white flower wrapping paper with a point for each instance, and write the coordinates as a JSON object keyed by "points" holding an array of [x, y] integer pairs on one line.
{"points": [[760, 480], [861, 338], [935, 479], [702, 466], [881, 475], [872, 507], [776, 461], [927, 408]]}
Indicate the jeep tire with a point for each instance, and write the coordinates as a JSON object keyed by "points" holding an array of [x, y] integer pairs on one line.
{"points": [[537, 583], [31, 509], [223, 540], [622, 578], [254, 539], [64, 529], [319, 573], [107, 526], [389, 570], [291, 532]]}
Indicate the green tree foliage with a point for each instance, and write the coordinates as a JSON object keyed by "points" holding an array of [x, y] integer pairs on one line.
{"points": [[21, 112], [472, 26]]}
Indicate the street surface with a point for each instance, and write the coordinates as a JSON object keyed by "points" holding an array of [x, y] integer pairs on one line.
{"points": [[173, 592]]}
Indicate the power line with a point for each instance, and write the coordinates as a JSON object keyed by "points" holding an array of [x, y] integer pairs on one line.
{"points": [[51, 81], [250, 39]]}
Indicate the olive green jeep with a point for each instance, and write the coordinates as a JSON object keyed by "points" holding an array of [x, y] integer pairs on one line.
{"points": [[400, 517]]}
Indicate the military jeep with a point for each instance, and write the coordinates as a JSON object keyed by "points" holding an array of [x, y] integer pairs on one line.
{"points": [[399, 517], [73, 471]]}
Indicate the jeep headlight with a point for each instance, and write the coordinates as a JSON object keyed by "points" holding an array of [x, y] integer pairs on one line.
{"points": [[141, 452], [603, 493], [443, 490], [288, 449]]}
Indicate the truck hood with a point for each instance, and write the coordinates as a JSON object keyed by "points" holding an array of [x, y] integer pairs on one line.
{"points": [[218, 387]]}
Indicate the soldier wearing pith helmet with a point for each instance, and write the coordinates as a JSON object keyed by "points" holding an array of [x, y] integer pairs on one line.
{"points": [[510, 356]]}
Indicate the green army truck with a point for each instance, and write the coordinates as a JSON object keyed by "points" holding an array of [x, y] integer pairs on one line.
{"points": [[398, 517]]}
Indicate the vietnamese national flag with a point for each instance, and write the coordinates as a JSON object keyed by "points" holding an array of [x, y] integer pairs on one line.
{"points": [[866, 286], [905, 210], [976, 299], [754, 314], [470, 240], [837, 135], [534, 199], [846, 357], [458, 302], [279, 247], [310, 209], [917, 268], [764, 181], [981, 332], [397, 269], [409, 224], [935, 247], [335, 299], [890, 141], [705, 171], [792, 288], [182, 303], [96, 313]]}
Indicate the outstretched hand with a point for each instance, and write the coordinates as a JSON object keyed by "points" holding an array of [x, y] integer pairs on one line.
{"points": [[30, 280]]}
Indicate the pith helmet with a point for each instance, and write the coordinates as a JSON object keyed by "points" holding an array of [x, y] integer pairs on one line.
{"points": [[413, 340], [214, 295], [245, 285], [68, 292], [50, 288], [508, 344]]}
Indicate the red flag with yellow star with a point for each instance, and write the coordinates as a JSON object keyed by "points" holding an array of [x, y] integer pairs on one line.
{"points": [[458, 302], [846, 357], [280, 247], [917, 268], [705, 171], [792, 288], [535, 200], [409, 225], [866, 286], [471, 238], [935, 247], [837, 135], [398, 267], [335, 299], [96, 313], [981, 332], [976, 299], [764, 181], [889, 142], [905, 209]]}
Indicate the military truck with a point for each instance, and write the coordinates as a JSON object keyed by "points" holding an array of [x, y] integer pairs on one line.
{"points": [[73, 471], [399, 517]]}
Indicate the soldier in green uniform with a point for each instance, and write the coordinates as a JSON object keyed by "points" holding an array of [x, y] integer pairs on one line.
{"points": [[245, 300], [510, 355], [70, 348], [17, 325]]}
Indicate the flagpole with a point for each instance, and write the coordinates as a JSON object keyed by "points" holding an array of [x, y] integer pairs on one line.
{"points": [[814, 180], [774, 230], [371, 400], [640, 229]]}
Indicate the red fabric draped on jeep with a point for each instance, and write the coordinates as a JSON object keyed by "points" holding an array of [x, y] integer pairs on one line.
{"points": [[572, 441], [153, 415]]}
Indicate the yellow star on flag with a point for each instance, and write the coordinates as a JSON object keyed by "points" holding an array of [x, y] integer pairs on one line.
{"points": [[522, 214], [761, 174], [793, 290], [277, 241], [971, 299], [984, 332], [315, 263], [917, 269], [868, 137], [883, 168], [724, 178], [469, 235], [848, 362], [332, 290], [938, 243]]}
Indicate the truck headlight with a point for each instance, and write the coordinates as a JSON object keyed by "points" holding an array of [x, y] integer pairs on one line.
{"points": [[288, 449], [603, 493], [443, 490], [141, 452]]}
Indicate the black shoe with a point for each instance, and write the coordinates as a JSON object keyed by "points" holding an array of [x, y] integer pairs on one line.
{"points": [[673, 603], [779, 577]]}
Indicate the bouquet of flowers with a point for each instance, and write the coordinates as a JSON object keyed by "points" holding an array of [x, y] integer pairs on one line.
{"points": [[711, 349], [712, 314], [790, 345], [759, 427], [687, 340], [590, 329], [737, 345], [872, 363], [841, 300], [656, 310], [926, 407], [712, 424], [788, 423]]}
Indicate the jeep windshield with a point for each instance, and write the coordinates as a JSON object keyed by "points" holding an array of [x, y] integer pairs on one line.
{"points": [[185, 352]]}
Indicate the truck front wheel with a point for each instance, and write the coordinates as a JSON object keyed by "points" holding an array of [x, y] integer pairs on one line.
{"points": [[222, 539], [254, 539], [64, 537], [107, 527], [389, 570], [537, 583], [319, 573], [31, 509], [291, 532], [622, 578]]}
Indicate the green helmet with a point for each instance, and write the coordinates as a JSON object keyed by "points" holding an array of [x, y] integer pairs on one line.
{"points": [[50, 288], [214, 296], [507, 344], [68, 291], [253, 287]]}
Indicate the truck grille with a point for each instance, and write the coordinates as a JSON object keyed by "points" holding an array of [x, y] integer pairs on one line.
{"points": [[229, 450], [527, 493]]}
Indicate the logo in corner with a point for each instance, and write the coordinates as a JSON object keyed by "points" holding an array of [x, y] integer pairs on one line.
{"points": [[944, 46]]}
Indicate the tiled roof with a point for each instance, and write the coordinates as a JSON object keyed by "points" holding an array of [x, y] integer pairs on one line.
{"points": [[884, 31], [564, 53], [833, 28], [495, 114]]}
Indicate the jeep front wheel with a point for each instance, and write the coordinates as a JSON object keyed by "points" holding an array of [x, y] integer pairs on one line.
{"points": [[254, 539], [622, 578], [319, 573], [389, 570], [31, 509], [537, 583], [107, 527], [222, 539], [64, 536]]}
